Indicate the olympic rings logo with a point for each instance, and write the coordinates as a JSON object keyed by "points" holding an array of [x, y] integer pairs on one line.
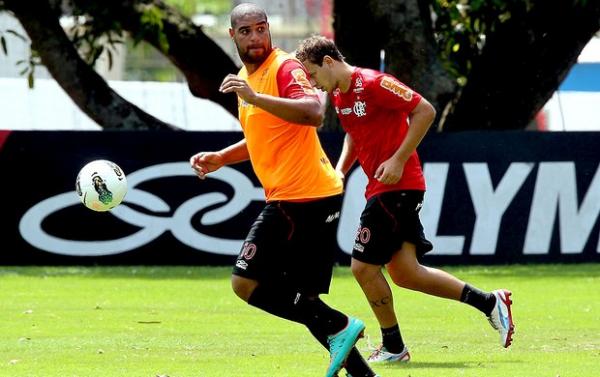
{"points": [[180, 224]]}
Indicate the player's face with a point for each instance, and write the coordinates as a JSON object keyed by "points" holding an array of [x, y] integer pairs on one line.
{"points": [[252, 38], [320, 76]]}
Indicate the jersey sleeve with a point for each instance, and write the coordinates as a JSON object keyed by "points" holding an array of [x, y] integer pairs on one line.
{"points": [[292, 81], [390, 93]]}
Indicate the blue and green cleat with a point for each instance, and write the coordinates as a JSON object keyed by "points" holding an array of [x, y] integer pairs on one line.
{"points": [[341, 344]]}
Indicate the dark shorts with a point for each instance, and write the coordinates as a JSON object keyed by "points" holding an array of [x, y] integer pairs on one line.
{"points": [[292, 243], [388, 220]]}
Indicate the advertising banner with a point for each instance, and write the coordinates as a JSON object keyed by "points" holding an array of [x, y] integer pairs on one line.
{"points": [[492, 197]]}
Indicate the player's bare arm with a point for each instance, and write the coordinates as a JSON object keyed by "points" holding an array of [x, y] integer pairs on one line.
{"points": [[347, 157], [305, 110], [207, 162], [420, 119]]}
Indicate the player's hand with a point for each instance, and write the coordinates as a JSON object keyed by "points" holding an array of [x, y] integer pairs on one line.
{"points": [[206, 162], [233, 83], [389, 172]]}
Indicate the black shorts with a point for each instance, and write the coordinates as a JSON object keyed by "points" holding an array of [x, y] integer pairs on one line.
{"points": [[292, 243], [388, 220]]}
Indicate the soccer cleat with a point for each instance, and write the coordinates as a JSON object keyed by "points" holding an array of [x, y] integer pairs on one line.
{"points": [[501, 316], [381, 355], [341, 344]]}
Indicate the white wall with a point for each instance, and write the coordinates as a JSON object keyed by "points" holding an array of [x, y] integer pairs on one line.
{"points": [[47, 106], [576, 105], [573, 111]]}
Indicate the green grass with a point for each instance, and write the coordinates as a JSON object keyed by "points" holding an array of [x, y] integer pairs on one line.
{"points": [[185, 321]]}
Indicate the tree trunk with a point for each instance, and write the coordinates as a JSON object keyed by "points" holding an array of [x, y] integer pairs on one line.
{"points": [[86, 88], [523, 63], [203, 63], [403, 29]]}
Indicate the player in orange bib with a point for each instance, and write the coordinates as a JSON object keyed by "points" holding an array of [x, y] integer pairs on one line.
{"points": [[287, 258]]}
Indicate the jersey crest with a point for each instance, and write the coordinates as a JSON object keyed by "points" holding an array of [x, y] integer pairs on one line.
{"points": [[359, 108]]}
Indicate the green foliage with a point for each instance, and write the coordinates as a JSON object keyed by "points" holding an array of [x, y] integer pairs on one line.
{"points": [[145, 63], [191, 7], [461, 27], [152, 25], [95, 31], [28, 67]]}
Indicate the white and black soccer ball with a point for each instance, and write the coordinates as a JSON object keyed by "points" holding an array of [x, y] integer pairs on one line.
{"points": [[101, 185]]}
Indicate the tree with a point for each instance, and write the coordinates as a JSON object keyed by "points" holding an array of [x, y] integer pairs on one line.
{"points": [[485, 64], [201, 61]]}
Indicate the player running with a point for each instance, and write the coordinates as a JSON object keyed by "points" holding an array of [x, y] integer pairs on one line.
{"points": [[385, 121], [287, 258]]}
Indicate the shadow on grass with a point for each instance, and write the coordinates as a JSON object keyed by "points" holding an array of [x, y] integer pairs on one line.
{"points": [[446, 364], [433, 365]]}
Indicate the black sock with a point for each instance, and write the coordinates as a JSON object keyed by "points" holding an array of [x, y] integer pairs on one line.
{"points": [[355, 365], [320, 317], [392, 339], [478, 299], [276, 300]]}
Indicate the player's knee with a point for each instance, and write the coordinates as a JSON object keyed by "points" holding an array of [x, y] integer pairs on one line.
{"points": [[402, 277], [404, 267], [242, 287], [363, 271], [397, 278]]}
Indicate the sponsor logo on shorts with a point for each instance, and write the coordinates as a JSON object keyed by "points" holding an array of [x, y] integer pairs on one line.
{"points": [[241, 264], [358, 247], [333, 216]]}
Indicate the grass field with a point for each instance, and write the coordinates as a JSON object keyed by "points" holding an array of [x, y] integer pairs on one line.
{"points": [[186, 322]]}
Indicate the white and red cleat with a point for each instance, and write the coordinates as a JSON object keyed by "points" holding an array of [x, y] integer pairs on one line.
{"points": [[501, 317], [382, 355]]}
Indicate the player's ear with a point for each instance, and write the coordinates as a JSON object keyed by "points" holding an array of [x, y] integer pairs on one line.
{"points": [[231, 33], [328, 60]]}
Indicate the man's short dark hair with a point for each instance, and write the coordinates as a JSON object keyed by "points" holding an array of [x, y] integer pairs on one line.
{"points": [[315, 48], [243, 10]]}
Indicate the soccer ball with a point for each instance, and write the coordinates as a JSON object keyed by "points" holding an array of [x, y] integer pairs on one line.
{"points": [[101, 185]]}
